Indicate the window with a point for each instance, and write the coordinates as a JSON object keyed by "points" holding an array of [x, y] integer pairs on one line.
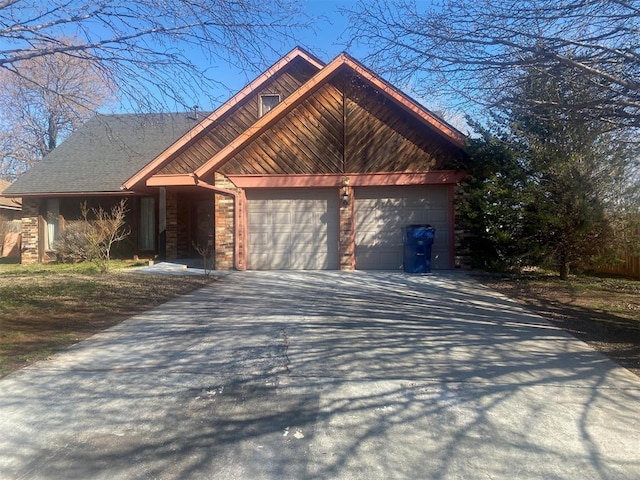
{"points": [[53, 222], [267, 102], [147, 237]]}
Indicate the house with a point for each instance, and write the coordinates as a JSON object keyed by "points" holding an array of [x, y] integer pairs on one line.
{"points": [[10, 213], [9, 207], [310, 166]]}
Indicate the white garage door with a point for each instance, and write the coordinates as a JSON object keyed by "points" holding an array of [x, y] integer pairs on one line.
{"points": [[382, 212], [292, 229]]}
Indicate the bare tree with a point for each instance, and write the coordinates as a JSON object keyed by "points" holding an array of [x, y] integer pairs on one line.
{"points": [[108, 228], [477, 50], [93, 236], [207, 253], [150, 48], [51, 96]]}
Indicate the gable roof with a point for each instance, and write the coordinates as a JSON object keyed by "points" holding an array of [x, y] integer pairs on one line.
{"points": [[103, 153], [340, 63], [112, 153], [8, 203], [190, 136]]}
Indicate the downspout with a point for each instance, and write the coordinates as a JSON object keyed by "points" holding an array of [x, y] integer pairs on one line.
{"points": [[237, 263]]}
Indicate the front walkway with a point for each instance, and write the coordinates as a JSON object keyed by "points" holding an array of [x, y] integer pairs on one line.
{"points": [[325, 375]]}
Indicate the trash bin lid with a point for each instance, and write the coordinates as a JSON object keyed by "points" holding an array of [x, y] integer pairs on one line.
{"points": [[420, 231]]}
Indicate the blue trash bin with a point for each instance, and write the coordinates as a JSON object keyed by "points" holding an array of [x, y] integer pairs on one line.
{"points": [[417, 240]]}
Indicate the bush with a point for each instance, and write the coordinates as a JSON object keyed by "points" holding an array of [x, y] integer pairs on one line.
{"points": [[92, 239], [73, 244]]}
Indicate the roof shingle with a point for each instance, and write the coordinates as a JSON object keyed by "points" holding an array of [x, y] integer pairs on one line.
{"points": [[102, 154]]}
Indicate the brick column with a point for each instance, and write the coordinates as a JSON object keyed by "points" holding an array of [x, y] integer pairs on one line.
{"points": [[30, 234], [347, 232], [224, 224], [172, 225]]}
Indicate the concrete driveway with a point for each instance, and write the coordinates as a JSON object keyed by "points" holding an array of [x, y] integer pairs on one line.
{"points": [[325, 375]]}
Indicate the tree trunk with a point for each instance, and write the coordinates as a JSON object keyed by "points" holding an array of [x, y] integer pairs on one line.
{"points": [[564, 267]]}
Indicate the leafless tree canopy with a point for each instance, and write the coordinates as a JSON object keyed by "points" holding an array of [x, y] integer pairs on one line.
{"points": [[147, 46], [51, 96], [477, 49]]}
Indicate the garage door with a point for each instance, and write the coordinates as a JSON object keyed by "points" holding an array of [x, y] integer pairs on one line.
{"points": [[292, 229], [382, 212]]}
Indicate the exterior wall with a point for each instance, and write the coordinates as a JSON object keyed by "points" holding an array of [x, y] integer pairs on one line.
{"points": [[238, 119], [34, 224], [162, 221], [70, 211], [225, 228], [30, 231], [8, 215], [344, 128]]}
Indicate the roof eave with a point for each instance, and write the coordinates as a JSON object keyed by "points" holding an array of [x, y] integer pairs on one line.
{"points": [[69, 194]]}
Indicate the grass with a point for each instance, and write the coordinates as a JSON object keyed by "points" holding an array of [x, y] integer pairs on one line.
{"points": [[604, 312], [46, 308]]}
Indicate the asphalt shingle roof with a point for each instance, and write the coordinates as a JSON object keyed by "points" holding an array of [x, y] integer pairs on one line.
{"points": [[102, 154]]}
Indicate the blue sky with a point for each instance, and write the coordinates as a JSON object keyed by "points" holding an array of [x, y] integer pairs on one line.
{"points": [[329, 39], [326, 39], [326, 42]]}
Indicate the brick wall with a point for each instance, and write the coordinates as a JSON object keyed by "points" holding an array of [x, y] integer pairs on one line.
{"points": [[30, 234], [224, 225], [347, 234]]}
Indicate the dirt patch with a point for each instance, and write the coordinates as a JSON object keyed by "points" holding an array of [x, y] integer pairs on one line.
{"points": [[45, 313], [605, 313]]}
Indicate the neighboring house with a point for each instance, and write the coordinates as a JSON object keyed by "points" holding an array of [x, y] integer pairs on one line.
{"points": [[10, 214], [9, 207], [310, 166]]}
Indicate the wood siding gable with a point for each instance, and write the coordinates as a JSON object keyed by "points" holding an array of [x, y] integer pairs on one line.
{"points": [[332, 119], [308, 140], [225, 129], [380, 136], [345, 126], [216, 130]]}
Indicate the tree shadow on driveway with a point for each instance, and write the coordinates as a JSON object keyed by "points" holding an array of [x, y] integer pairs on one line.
{"points": [[325, 375]]}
